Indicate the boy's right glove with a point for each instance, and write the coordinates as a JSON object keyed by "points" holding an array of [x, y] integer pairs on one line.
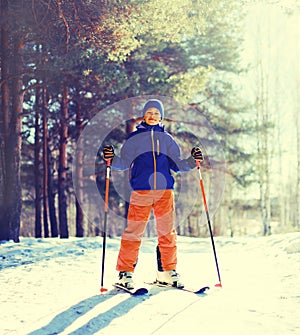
{"points": [[108, 152], [197, 154]]}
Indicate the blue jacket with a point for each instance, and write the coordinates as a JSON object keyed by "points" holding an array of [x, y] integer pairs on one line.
{"points": [[151, 153]]}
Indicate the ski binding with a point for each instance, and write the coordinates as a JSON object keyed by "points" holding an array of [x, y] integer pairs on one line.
{"points": [[134, 292], [200, 291]]}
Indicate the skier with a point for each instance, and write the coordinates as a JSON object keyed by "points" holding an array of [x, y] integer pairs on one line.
{"points": [[150, 153]]}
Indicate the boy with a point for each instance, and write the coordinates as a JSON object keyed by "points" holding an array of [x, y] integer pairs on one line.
{"points": [[150, 153]]}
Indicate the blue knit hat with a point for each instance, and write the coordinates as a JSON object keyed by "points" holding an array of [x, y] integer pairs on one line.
{"points": [[154, 103]]}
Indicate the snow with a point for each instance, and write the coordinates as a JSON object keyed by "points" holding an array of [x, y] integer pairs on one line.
{"points": [[51, 286]]}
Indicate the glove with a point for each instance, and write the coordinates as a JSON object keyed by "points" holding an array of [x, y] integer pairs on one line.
{"points": [[108, 152], [197, 154]]}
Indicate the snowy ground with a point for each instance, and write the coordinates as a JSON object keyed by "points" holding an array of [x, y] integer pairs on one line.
{"points": [[51, 286]]}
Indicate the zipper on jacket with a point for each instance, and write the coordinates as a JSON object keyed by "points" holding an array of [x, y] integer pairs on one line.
{"points": [[154, 158]]}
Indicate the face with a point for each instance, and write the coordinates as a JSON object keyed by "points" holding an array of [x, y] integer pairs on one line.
{"points": [[152, 116]]}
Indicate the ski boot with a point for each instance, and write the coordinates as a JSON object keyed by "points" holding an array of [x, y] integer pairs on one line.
{"points": [[170, 277], [125, 279]]}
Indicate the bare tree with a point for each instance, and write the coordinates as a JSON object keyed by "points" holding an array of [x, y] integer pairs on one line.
{"points": [[297, 119], [262, 122]]}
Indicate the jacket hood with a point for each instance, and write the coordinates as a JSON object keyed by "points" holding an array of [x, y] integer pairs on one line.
{"points": [[143, 126]]}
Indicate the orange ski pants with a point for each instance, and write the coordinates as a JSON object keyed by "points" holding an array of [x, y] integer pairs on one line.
{"points": [[141, 204]]}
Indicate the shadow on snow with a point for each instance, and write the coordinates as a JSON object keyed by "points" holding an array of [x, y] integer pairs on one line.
{"points": [[65, 319]]}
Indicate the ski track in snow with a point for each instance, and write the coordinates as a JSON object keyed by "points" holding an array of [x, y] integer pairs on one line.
{"points": [[51, 286]]}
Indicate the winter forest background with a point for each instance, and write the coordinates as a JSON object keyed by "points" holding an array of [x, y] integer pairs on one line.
{"points": [[233, 64]]}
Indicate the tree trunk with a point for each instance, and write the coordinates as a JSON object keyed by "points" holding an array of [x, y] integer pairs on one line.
{"points": [[13, 197], [45, 164], [37, 172], [262, 119], [261, 150], [296, 223], [4, 224], [79, 177], [62, 171], [51, 197]]}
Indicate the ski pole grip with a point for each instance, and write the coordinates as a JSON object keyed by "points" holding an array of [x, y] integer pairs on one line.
{"points": [[108, 162], [198, 164]]}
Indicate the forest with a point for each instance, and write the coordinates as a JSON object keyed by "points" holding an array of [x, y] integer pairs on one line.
{"points": [[74, 76]]}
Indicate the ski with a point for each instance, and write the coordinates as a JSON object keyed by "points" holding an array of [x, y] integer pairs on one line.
{"points": [[202, 290], [134, 292]]}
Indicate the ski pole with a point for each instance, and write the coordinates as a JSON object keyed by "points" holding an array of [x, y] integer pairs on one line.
{"points": [[208, 221], [108, 162]]}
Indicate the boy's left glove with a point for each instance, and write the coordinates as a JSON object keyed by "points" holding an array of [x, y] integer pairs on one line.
{"points": [[108, 152], [197, 154]]}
